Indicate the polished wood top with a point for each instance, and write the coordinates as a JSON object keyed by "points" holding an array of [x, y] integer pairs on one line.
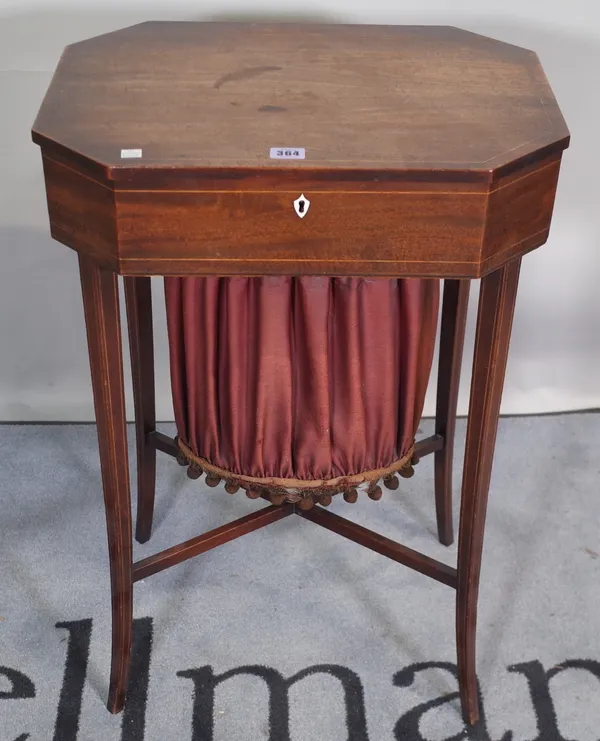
{"points": [[428, 151], [421, 103]]}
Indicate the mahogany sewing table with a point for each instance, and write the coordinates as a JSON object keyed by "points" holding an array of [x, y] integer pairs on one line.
{"points": [[254, 149]]}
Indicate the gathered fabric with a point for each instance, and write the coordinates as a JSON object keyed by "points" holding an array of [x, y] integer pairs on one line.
{"points": [[295, 382]]}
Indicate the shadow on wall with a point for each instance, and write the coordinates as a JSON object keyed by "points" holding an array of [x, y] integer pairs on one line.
{"points": [[558, 310]]}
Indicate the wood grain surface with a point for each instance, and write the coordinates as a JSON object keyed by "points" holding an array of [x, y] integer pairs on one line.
{"points": [[220, 95], [102, 320], [497, 298], [445, 231], [452, 335], [430, 151]]}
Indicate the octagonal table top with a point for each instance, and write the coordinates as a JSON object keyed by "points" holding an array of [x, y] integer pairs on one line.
{"points": [[418, 102]]}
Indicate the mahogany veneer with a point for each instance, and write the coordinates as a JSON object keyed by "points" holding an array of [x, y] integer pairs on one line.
{"points": [[428, 152]]}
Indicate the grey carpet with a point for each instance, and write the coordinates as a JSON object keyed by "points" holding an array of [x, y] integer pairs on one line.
{"points": [[352, 645]]}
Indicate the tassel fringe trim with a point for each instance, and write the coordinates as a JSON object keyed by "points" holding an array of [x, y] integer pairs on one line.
{"points": [[305, 493]]}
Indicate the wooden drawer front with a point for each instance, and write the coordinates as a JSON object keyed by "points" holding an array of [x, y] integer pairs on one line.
{"points": [[230, 231]]}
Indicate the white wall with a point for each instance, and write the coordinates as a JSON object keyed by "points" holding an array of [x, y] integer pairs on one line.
{"points": [[555, 357]]}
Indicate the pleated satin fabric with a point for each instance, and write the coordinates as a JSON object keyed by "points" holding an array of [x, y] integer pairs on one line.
{"points": [[302, 378]]}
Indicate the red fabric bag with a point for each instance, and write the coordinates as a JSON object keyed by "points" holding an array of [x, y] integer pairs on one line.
{"points": [[302, 387]]}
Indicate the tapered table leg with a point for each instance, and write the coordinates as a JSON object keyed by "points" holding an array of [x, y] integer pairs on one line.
{"points": [[494, 322], [138, 299], [452, 335], [101, 306]]}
